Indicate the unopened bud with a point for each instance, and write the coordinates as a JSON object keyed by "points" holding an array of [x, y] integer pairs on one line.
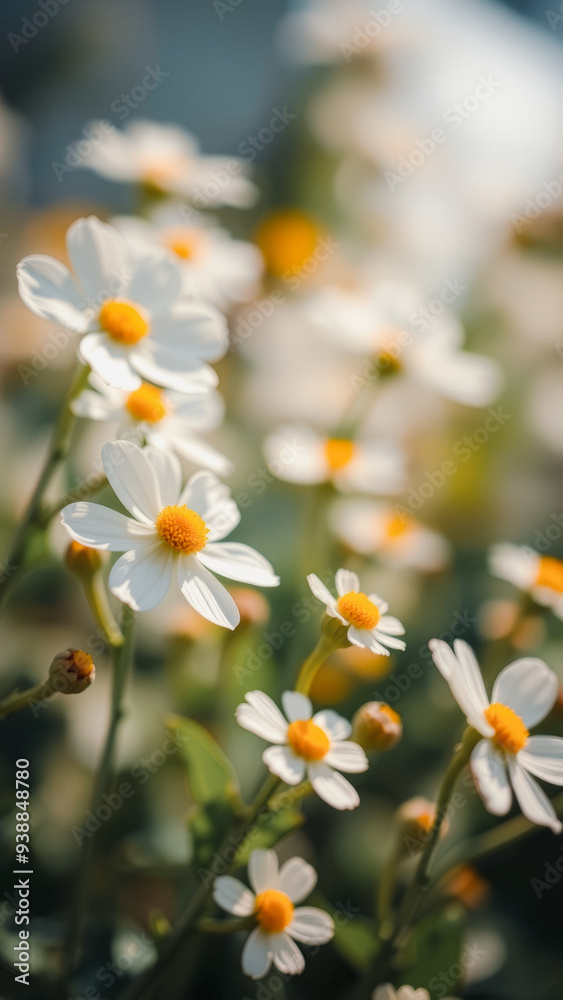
{"points": [[416, 818], [376, 727], [83, 561], [71, 672], [253, 607]]}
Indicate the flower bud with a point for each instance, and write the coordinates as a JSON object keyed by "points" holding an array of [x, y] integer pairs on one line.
{"points": [[253, 607], [83, 561], [71, 672], [415, 819], [376, 727]]}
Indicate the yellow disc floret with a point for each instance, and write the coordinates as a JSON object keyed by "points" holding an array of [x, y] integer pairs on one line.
{"points": [[338, 452], [147, 404], [274, 911], [357, 609], [123, 321], [396, 526], [308, 740], [182, 529], [550, 574], [287, 238], [510, 732]]}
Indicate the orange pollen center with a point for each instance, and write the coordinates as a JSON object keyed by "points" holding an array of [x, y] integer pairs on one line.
{"points": [[274, 910], [397, 526], [358, 610], [308, 740], [510, 732], [81, 663], [182, 248], [390, 713], [550, 574], [426, 821], [147, 404], [182, 529], [338, 452], [123, 321]]}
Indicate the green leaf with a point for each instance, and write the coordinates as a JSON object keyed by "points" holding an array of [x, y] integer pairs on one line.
{"points": [[356, 940], [210, 774], [269, 831], [434, 954]]}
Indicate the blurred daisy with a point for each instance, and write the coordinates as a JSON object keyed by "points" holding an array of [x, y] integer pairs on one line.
{"points": [[369, 527], [309, 746], [272, 901], [168, 158], [540, 576], [215, 267], [299, 454], [165, 419], [388, 992], [137, 320], [369, 624], [523, 694], [171, 530]]}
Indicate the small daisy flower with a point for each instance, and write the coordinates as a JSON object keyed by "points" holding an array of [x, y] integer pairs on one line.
{"points": [[540, 576], [523, 694], [137, 320], [368, 527], [168, 159], [367, 618], [215, 267], [298, 454], [388, 992], [309, 746], [280, 922], [172, 530], [164, 419]]}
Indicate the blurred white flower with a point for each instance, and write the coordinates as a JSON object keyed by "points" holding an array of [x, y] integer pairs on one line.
{"points": [[370, 527], [388, 992], [540, 576], [369, 624]]}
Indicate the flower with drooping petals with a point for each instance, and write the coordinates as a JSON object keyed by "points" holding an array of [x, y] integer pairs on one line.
{"points": [[367, 618]]}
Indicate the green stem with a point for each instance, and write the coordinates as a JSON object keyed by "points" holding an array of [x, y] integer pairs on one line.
{"points": [[122, 657], [324, 648], [386, 893], [23, 699], [206, 925], [83, 490], [97, 597]]}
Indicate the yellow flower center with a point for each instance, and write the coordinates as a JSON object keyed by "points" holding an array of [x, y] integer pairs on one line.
{"points": [[387, 362], [147, 404], [390, 713], [160, 173], [510, 732], [359, 610], [80, 663], [274, 910], [123, 321], [426, 821], [308, 740], [182, 529], [550, 574], [397, 526], [288, 239], [338, 452], [184, 242]]}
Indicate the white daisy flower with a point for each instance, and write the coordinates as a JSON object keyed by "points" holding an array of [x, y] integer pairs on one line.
{"points": [[171, 530], [280, 922], [370, 527], [298, 454], [164, 419], [369, 624], [168, 158], [215, 267], [541, 576], [523, 694], [138, 321], [388, 992], [309, 746]]}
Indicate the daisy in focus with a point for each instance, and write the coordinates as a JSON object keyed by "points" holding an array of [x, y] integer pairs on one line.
{"points": [[171, 531], [368, 623], [164, 419], [369, 527], [275, 891], [168, 159], [540, 576], [298, 454], [309, 746], [523, 694], [137, 320]]}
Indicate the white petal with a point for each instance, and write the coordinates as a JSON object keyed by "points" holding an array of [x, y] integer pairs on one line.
{"points": [[532, 800], [333, 724], [239, 562], [528, 687], [233, 896], [192, 329], [211, 499], [109, 360], [297, 879], [133, 479], [295, 454], [319, 590], [103, 528], [47, 288], [205, 594], [346, 581], [257, 954], [463, 683], [283, 762], [347, 756], [384, 992], [296, 706], [142, 578], [332, 787], [390, 641], [489, 774], [287, 957], [156, 282], [168, 473], [361, 637], [390, 625], [190, 376], [93, 406], [196, 450], [99, 258], [263, 870], [543, 756], [467, 378], [311, 925], [471, 674], [263, 717]]}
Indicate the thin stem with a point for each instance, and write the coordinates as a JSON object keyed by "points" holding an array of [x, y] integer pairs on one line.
{"points": [[206, 925], [97, 597], [23, 699], [324, 648], [83, 490], [386, 893]]}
